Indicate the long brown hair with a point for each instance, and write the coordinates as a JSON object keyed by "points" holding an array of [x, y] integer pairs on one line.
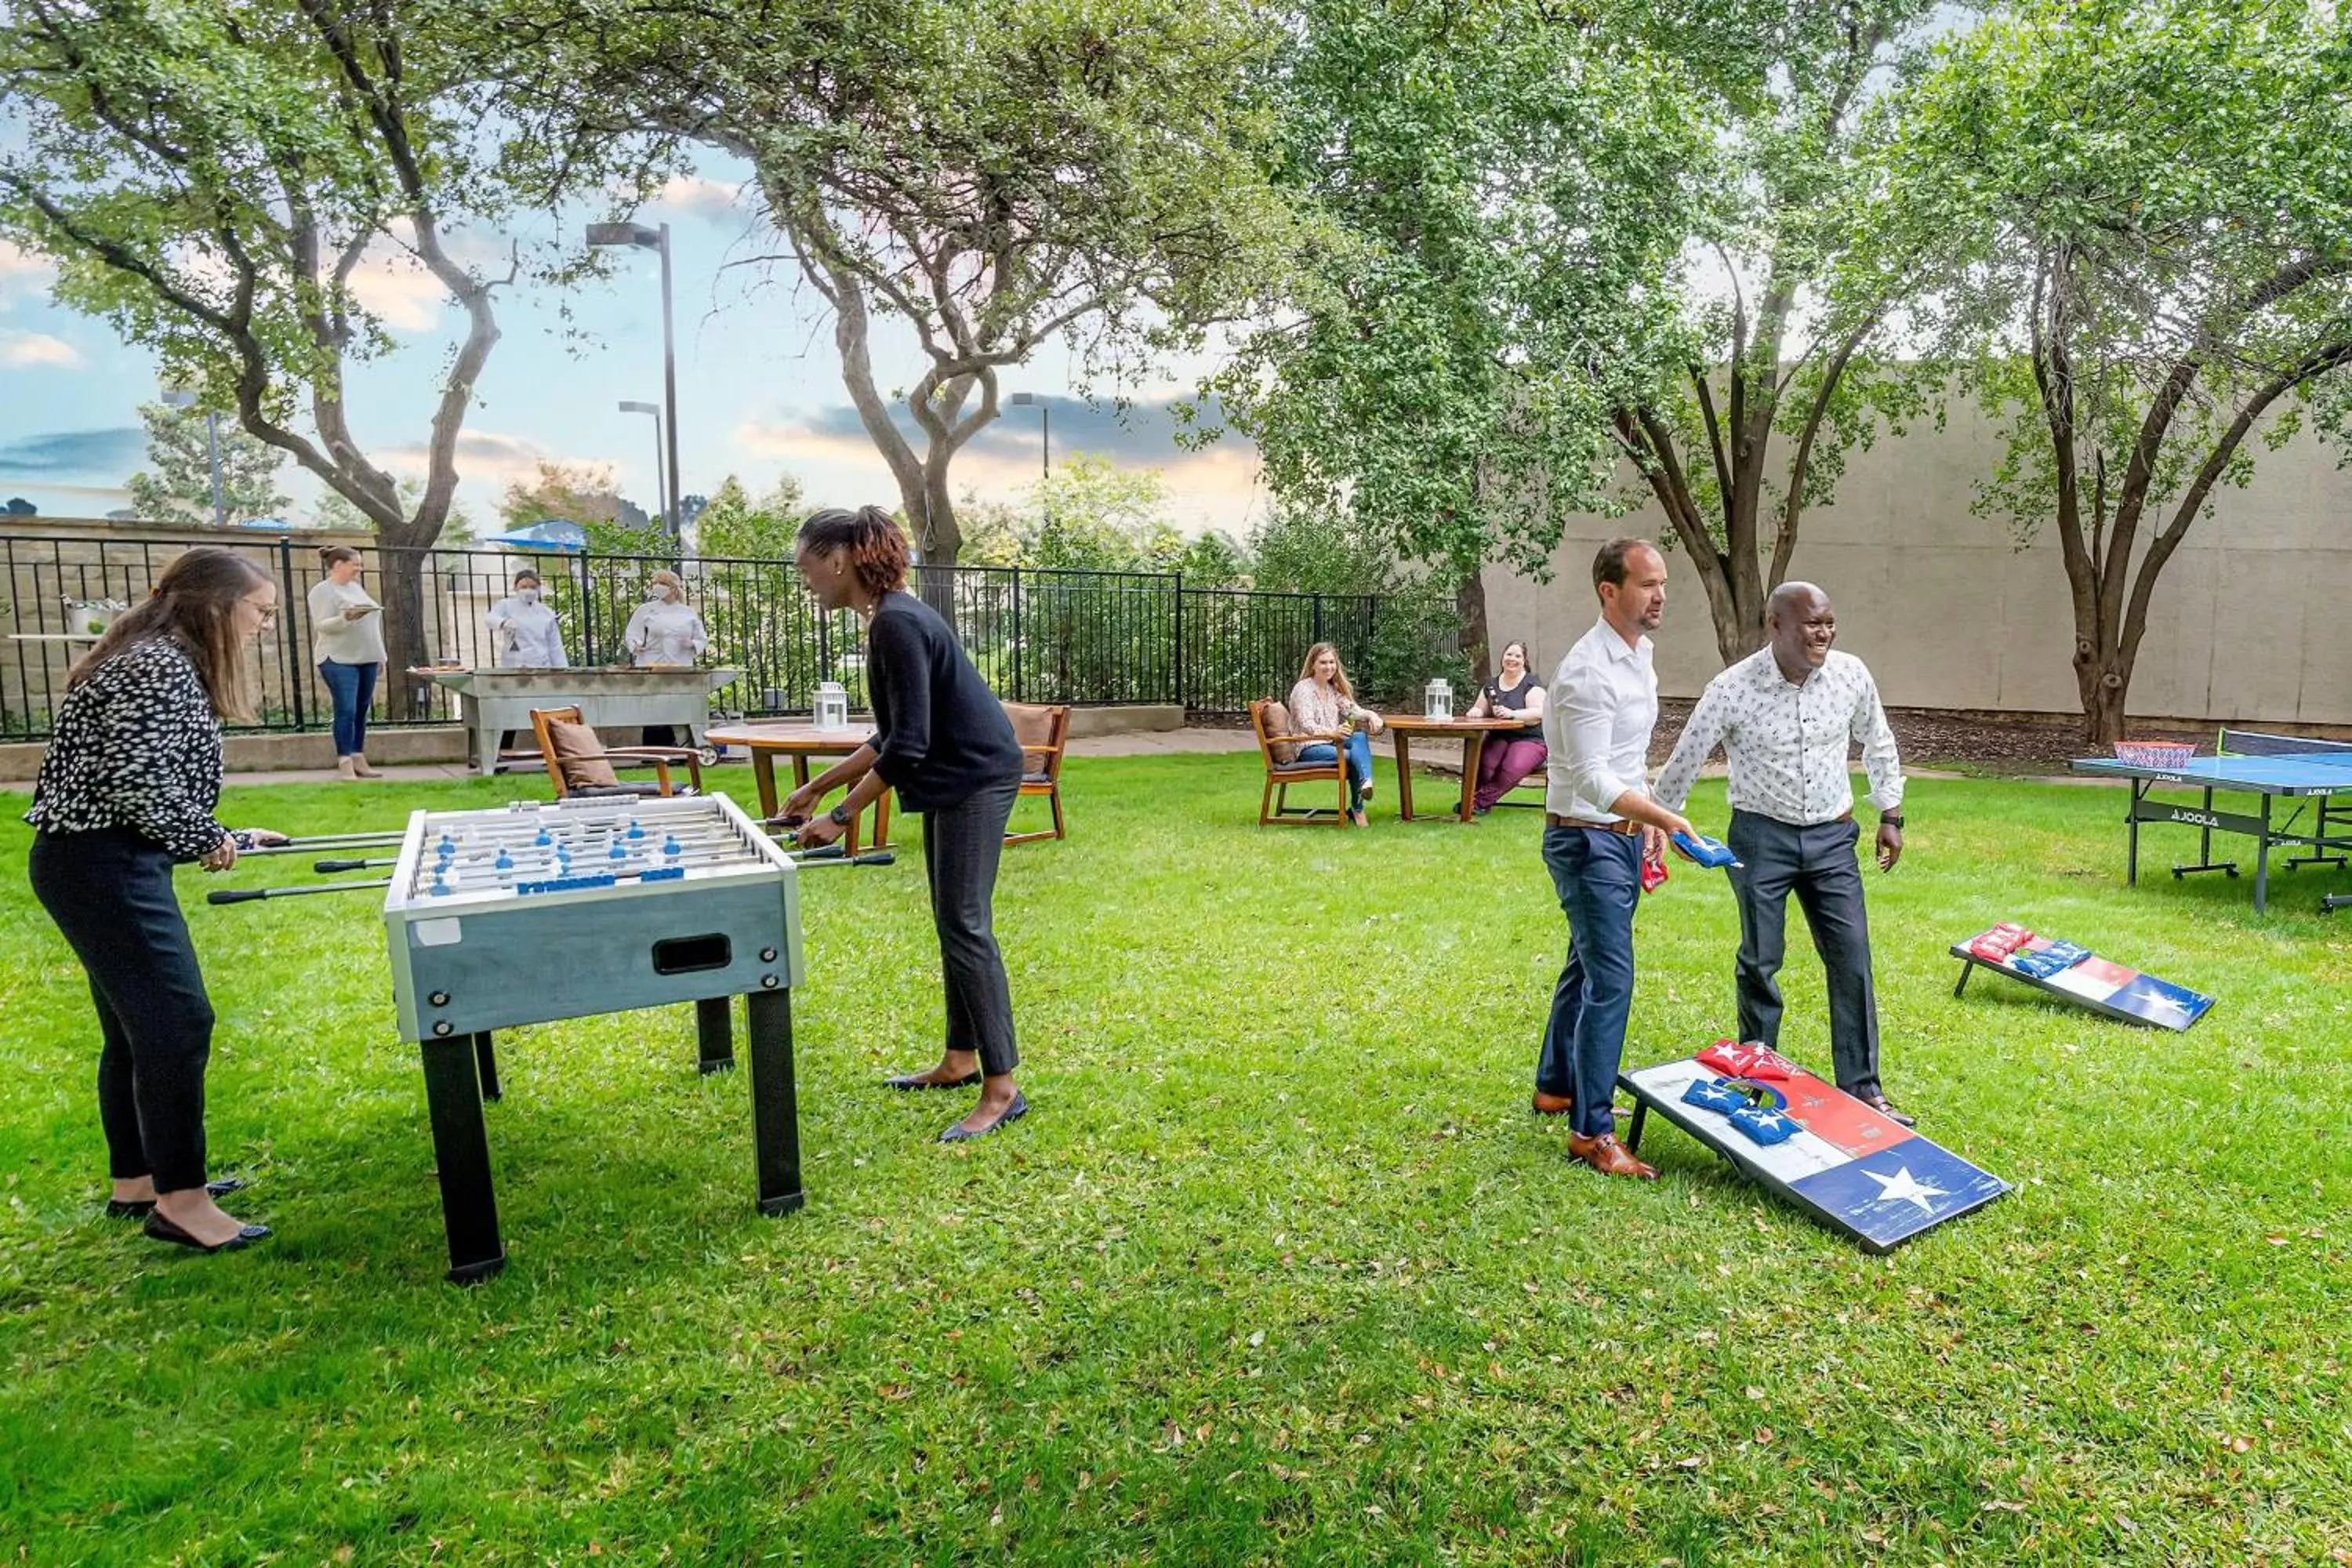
{"points": [[195, 604], [1339, 681]]}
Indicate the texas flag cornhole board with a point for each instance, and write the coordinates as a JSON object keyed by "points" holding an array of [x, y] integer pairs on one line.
{"points": [[1839, 1161], [2077, 975]]}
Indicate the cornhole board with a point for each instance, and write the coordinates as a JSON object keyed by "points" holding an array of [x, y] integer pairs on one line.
{"points": [[2110, 989], [1871, 1180]]}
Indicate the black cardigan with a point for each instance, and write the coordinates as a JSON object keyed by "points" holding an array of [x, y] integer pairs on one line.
{"points": [[941, 734]]}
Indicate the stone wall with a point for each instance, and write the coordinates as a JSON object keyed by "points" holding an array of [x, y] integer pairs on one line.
{"points": [[2248, 623]]}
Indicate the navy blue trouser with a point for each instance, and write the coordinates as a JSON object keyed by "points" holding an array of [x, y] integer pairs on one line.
{"points": [[962, 845], [1819, 865], [109, 891], [352, 685], [1599, 878]]}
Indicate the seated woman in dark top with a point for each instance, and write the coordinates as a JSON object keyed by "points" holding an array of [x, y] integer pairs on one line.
{"points": [[941, 740], [1509, 755], [128, 787]]}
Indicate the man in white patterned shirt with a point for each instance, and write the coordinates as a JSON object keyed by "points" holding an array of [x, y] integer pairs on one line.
{"points": [[1785, 716]]}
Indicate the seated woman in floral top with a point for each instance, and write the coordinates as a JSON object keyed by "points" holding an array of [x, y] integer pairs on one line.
{"points": [[1324, 703]]}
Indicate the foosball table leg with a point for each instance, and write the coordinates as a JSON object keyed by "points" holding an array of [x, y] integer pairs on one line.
{"points": [[461, 1158], [775, 1107], [714, 1030], [486, 1062]]}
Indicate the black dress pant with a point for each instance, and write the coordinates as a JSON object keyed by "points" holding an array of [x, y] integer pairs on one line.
{"points": [[962, 845], [109, 891], [1819, 865]]}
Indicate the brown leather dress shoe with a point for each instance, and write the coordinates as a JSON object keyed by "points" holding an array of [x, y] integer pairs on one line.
{"points": [[1552, 1104], [1878, 1102], [1609, 1157]]}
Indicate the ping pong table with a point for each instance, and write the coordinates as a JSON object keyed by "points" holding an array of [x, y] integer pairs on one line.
{"points": [[2313, 776]]}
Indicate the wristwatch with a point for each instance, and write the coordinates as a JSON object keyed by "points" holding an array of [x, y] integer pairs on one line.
{"points": [[838, 817], [1895, 817]]}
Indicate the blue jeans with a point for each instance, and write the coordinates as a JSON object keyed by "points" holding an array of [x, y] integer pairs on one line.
{"points": [[1598, 878], [352, 685], [1360, 763]]}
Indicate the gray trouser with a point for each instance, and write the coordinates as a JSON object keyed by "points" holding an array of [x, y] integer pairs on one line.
{"points": [[962, 845], [1819, 863]]}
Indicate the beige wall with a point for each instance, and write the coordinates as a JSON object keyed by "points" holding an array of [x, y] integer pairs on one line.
{"points": [[2252, 620]]}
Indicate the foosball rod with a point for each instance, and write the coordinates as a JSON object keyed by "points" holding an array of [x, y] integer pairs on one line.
{"points": [[247, 895], [333, 865], [325, 841]]}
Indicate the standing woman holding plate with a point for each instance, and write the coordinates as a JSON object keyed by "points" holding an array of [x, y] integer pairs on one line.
{"points": [[941, 740], [347, 642]]}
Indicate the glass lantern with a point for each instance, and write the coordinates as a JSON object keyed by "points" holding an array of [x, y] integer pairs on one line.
{"points": [[1437, 701], [832, 705]]}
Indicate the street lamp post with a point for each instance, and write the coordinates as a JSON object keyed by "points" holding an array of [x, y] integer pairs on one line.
{"points": [[1045, 422], [664, 497], [644, 238], [181, 397]]}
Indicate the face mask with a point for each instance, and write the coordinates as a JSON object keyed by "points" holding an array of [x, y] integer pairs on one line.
{"points": [[527, 595], [658, 594]]}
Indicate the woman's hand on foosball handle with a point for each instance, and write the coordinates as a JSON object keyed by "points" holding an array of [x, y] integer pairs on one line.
{"points": [[220, 857], [802, 803]]}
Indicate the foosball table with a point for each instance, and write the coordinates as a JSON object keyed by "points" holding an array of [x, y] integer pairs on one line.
{"points": [[539, 911]]}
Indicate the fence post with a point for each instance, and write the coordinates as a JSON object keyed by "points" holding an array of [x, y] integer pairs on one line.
{"points": [[1017, 696], [286, 620], [1180, 639], [587, 614], [1318, 600]]}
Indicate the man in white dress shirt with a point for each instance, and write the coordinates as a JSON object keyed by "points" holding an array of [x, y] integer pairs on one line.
{"points": [[1785, 716], [1599, 825]]}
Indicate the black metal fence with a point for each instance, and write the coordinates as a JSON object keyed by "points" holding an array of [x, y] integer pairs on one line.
{"points": [[1079, 637]]}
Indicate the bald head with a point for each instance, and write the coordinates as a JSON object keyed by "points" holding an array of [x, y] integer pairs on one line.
{"points": [[1801, 625]]}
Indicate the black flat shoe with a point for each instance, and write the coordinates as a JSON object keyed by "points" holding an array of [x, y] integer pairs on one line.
{"points": [[163, 1229], [1012, 1112], [909, 1082], [140, 1208]]}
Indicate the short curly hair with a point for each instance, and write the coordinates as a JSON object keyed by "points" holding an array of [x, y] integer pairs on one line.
{"points": [[877, 548]]}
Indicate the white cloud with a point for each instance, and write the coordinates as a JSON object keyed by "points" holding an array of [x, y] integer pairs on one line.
{"points": [[20, 350], [400, 291], [488, 457], [697, 196]]}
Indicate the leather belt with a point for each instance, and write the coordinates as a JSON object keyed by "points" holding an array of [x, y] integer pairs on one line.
{"points": [[1629, 830]]}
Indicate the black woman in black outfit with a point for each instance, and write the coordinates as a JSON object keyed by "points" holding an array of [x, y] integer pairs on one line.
{"points": [[941, 740], [127, 789]]}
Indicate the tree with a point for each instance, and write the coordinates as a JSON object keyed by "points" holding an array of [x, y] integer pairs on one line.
{"points": [[1507, 181], [19, 507], [995, 174], [178, 481], [333, 512], [2144, 210], [1795, 351], [733, 525], [584, 493], [210, 179]]}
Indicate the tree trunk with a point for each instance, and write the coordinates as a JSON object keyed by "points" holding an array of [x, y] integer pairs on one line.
{"points": [[403, 553], [931, 527], [1470, 605], [2103, 680]]}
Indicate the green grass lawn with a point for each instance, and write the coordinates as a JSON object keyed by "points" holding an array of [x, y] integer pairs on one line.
{"points": [[1279, 1270]]}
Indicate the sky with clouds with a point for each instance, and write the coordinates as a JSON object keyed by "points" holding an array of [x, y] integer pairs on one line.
{"points": [[760, 391]]}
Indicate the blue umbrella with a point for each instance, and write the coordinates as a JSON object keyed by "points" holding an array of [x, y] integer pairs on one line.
{"points": [[555, 533]]}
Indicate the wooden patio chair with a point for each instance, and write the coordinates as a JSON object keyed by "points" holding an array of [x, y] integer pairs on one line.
{"points": [[1277, 747], [1042, 732], [581, 765]]}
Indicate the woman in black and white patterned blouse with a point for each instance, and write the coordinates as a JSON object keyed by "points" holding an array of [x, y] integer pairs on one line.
{"points": [[127, 789]]}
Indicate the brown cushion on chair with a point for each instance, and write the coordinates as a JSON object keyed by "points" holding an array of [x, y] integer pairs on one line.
{"points": [[1278, 722], [581, 754], [1032, 726]]}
